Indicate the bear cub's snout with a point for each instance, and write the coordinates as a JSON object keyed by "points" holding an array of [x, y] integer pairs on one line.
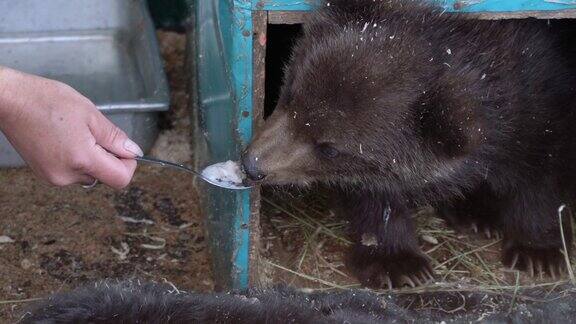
{"points": [[251, 168]]}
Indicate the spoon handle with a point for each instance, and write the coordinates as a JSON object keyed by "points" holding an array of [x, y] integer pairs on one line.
{"points": [[168, 164]]}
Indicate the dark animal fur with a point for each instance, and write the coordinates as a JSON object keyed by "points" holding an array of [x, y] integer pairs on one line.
{"points": [[132, 302], [126, 302], [474, 117]]}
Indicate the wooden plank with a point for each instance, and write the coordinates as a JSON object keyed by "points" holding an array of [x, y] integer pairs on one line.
{"points": [[506, 5], [286, 17], [260, 23], [298, 17], [284, 5], [560, 14]]}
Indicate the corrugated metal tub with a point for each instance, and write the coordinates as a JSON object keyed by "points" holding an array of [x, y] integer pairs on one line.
{"points": [[106, 49]]}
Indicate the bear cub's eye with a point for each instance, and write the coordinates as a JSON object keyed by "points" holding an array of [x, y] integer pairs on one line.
{"points": [[328, 150]]}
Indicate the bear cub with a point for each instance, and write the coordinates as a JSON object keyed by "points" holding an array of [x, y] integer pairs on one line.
{"points": [[397, 105]]}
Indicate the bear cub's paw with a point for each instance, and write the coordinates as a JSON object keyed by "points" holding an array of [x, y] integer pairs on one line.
{"points": [[538, 262], [378, 270], [469, 223]]}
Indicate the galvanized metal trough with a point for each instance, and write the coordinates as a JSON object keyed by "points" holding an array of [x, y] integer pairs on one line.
{"points": [[106, 49]]}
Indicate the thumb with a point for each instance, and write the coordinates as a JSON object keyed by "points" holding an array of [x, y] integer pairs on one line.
{"points": [[117, 173], [112, 138]]}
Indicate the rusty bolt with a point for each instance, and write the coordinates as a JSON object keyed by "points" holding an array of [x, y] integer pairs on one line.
{"points": [[459, 5]]}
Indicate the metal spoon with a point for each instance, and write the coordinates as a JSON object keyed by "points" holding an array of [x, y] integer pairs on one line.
{"points": [[222, 184]]}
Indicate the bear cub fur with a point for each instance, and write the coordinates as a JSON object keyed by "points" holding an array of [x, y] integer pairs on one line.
{"points": [[132, 301], [397, 105]]}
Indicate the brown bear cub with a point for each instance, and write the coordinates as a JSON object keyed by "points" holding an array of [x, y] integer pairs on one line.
{"points": [[398, 105]]}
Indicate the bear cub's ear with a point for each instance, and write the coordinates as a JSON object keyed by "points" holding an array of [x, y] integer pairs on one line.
{"points": [[449, 125]]}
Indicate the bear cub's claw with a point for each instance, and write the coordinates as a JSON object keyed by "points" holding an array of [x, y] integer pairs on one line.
{"points": [[468, 222], [488, 231], [537, 262], [377, 270]]}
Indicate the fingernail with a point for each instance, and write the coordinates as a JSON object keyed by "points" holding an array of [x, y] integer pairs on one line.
{"points": [[133, 148]]}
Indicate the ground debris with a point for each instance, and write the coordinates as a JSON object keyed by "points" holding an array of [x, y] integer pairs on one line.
{"points": [[6, 239], [122, 253]]}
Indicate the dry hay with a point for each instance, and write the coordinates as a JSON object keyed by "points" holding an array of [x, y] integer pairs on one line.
{"points": [[304, 244]]}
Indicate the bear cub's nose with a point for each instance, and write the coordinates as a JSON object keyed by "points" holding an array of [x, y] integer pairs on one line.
{"points": [[251, 168]]}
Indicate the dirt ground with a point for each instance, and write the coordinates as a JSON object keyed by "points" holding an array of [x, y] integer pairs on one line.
{"points": [[60, 238]]}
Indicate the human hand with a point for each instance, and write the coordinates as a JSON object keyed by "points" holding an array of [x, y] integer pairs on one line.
{"points": [[61, 134]]}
